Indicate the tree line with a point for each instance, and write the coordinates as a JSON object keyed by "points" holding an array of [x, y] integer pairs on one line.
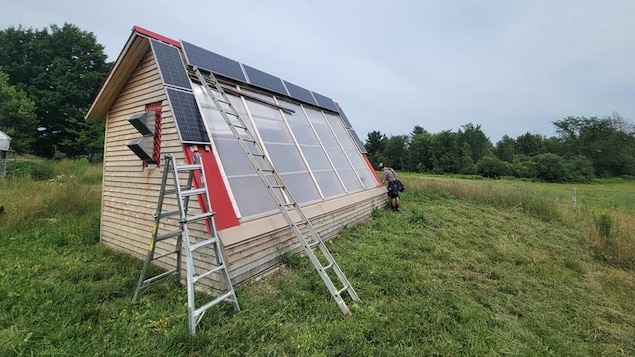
{"points": [[583, 149]]}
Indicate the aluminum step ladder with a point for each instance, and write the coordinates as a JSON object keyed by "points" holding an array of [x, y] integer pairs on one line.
{"points": [[183, 192], [304, 231]]}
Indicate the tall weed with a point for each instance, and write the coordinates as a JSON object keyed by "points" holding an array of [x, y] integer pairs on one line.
{"points": [[528, 201], [611, 237], [27, 198]]}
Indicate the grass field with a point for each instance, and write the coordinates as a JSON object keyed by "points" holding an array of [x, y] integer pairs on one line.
{"points": [[469, 268]]}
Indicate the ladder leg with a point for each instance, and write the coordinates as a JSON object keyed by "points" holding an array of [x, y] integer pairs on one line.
{"points": [[144, 270]]}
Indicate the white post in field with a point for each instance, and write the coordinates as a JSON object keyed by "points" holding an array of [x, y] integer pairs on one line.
{"points": [[574, 199]]}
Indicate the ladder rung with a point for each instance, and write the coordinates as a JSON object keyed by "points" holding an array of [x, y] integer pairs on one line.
{"points": [[208, 273], [167, 235], [291, 204], [191, 167], [199, 217], [276, 186], [202, 244], [158, 277], [249, 140], [196, 191], [339, 292], [204, 308], [164, 255], [329, 266], [313, 244], [169, 213]]}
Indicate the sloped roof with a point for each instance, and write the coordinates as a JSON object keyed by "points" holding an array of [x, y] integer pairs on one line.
{"points": [[127, 61]]}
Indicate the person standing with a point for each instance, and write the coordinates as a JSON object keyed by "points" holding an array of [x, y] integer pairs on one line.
{"points": [[388, 178]]}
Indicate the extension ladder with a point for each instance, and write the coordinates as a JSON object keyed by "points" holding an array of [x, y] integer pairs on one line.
{"points": [[183, 193], [289, 208]]}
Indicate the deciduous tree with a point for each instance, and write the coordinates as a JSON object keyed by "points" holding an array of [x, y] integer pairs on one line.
{"points": [[17, 116], [60, 69]]}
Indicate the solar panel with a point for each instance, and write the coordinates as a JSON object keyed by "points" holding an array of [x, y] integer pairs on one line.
{"points": [[343, 116], [359, 143], [208, 60], [264, 80], [187, 116], [170, 65], [300, 93], [325, 102]]}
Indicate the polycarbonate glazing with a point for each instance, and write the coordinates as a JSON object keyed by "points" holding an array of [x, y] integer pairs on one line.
{"points": [[301, 186], [273, 130], [329, 183], [305, 147], [350, 179], [235, 162], [304, 134], [251, 195], [283, 151], [316, 157], [286, 157]]}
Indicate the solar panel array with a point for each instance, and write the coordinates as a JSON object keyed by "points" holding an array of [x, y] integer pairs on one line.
{"points": [[347, 123], [360, 144], [325, 102], [213, 62], [188, 118], [300, 93], [170, 65], [265, 80], [186, 113]]}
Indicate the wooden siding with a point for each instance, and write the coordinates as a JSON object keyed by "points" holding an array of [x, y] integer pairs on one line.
{"points": [[130, 191]]}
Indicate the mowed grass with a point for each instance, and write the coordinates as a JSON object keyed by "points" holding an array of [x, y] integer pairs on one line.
{"points": [[468, 268]]}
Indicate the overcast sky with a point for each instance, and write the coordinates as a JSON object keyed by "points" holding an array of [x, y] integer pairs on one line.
{"points": [[511, 66]]}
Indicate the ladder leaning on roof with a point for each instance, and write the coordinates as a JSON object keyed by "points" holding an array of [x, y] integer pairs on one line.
{"points": [[289, 208], [183, 193]]}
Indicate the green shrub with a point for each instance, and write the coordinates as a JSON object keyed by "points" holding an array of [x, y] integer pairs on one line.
{"points": [[524, 167], [550, 167], [578, 169], [491, 166], [37, 170]]}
